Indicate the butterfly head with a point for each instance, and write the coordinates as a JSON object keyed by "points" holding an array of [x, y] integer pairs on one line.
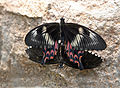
{"points": [[62, 20]]}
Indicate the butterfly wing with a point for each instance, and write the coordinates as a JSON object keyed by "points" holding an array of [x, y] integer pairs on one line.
{"points": [[43, 35], [36, 55], [79, 39], [82, 38], [88, 61], [43, 40]]}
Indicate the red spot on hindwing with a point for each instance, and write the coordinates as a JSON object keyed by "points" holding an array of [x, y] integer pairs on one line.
{"points": [[45, 59], [79, 52], [55, 52], [51, 57], [56, 45], [47, 53], [68, 54], [52, 51], [80, 57], [71, 54], [70, 46], [71, 60], [75, 56], [76, 61]]}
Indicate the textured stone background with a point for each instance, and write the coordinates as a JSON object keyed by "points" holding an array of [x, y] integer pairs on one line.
{"points": [[17, 17]]}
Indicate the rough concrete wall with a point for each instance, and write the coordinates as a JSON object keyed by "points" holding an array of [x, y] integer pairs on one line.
{"points": [[18, 17]]}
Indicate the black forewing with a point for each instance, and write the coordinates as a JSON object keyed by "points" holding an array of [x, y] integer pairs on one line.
{"points": [[83, 38], [45, 34]]}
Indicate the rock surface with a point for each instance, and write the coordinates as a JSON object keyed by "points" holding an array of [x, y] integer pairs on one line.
{"points": [[18, 17]]}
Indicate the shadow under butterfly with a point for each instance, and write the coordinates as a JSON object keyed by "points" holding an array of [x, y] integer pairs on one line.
{"points": [[64, 43]]}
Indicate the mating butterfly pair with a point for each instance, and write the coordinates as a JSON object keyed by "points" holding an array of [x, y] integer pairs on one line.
{"points": [[64, 43]]}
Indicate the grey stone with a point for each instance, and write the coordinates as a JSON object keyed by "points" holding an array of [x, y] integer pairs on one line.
{"points": [[18, 18]]}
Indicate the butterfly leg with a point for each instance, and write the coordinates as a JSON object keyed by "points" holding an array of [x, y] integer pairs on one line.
{"points": [[61, 62], [60, 57]]}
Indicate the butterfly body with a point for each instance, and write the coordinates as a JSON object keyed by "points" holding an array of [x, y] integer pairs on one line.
{"points": [[66, 41]]}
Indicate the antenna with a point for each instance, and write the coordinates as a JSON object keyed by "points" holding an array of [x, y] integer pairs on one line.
{"points": [[58, 12], [66, 11]]}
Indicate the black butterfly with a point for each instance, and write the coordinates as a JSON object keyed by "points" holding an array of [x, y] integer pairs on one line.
{"points": [[64, 43]]}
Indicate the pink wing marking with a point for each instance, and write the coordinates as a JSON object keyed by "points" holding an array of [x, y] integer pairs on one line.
{"points": [[51, 57], [52, 51], [75, 56], [47, 53], [71, 60], [56, 45], [71, 54], [45, 59]]}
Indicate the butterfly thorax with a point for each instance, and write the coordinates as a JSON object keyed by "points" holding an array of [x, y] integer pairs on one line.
{"points": [[61, 28], [61, 41]]}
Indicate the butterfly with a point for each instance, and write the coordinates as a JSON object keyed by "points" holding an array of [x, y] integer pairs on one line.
{"points": [[64, 43]]}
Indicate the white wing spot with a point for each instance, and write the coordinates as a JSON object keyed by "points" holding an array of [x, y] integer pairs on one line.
{"points": [[78, 37], [51, 42], [76, 40], [94, 39], [73, 44], [34, 32], [59, 41], [92, 36], [44, 29], [80, 30], [46, 36]]}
